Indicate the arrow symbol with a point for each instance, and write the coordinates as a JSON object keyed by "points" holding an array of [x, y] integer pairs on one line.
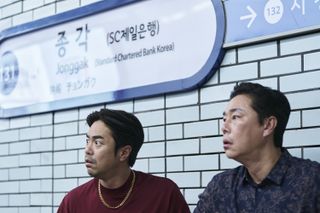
{"points": [[252, 16]]}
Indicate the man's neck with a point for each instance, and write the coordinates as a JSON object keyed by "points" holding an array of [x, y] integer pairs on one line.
{"points": [[260, 167], [117, 179]]}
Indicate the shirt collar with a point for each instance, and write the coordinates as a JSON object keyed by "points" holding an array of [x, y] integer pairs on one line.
{"points": [[277, 173]]}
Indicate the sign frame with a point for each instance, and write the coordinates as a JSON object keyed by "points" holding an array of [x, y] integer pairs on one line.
{"points": [[208, 69]]}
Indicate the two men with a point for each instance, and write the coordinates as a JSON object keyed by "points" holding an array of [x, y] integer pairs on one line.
{"points": [[254, 121]]}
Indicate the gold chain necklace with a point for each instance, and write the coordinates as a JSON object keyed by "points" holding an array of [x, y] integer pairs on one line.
{"points": [[125, 198]]}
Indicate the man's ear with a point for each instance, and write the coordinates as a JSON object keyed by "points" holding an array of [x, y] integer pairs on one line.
{"points": [[124, 152], [269, 125]]}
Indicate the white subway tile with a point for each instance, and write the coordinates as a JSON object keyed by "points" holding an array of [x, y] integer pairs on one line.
{"points": [[174, 164], [184, 114], [30, 133], [46, 131], [31, 4], [19, 122], [30, 186], [201, 128], [257, 52], [151, 150], [212, 144], [311, 61], [151, 118], [19, 173], [65, 129], [280, 66], [76, 170], [41, 172], [64, 185], [301, 81], [63, 6], [227, 163], [201, 162], [9, 162], [4, 149], [301, 100], [43, 12], [215, 110], [312, 154], [239, 72], [294, 120], [187, 98], [4, 124], [311, 118], [180, 147], [156, 133], [65, 157], [66, 116], [41, 145], [41, 119], [216, 93], [41, 199], [19, 200], [12, 9], [4, 174], [141, 165], [4, 200], [191, 195], [300, 44], [76, 142], [84, 112], [301, 137], [29, 160], [9, 187], [229, 57], [185, 179], [126, 106], [156, 165], [174, 131], [149, 104], [9, 136]]}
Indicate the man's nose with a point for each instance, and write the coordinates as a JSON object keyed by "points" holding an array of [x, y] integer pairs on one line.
{"points": [[224, 126], [88, 148]]}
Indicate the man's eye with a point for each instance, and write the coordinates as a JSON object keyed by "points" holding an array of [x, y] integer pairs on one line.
{"points": [[97, 142], [235, 116]]}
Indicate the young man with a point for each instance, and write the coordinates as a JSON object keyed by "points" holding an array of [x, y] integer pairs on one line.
{"points": [[113, 141], [270, 179]]}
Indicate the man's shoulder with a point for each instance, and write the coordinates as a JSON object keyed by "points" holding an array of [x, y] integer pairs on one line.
{"points": [[305, 165], [228, 177], [153, 179], [83, 188]]}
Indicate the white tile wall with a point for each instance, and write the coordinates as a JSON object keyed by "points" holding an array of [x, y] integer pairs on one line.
{"points": [[239, 72], [44, 11], [31, 4], [257, 52], [41, 155], [11, 9]]}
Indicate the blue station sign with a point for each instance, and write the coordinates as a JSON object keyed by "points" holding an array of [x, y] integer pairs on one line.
{"points": [[109, 51], [254, 20]]}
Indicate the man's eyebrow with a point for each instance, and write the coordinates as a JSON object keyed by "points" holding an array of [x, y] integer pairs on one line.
{"points": [[95, 136], [233, 110]]}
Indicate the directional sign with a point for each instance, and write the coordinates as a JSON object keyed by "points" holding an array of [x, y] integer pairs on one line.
{"points": [[249, 20]]}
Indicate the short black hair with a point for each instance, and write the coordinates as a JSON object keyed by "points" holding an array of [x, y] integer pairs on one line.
{"points": [[267, 102], [125, 127]]}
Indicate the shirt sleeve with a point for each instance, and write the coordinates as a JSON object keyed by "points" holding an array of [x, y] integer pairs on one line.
{"points": [[206, 203], [177, 202]]}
